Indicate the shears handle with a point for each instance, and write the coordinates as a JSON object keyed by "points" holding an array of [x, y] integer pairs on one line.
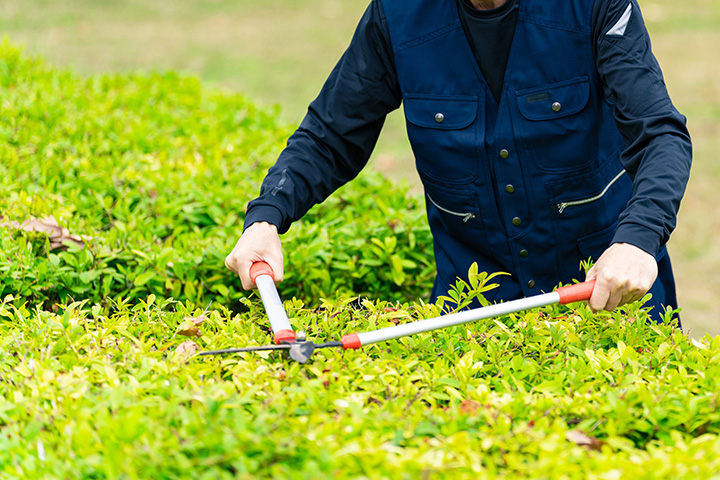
{"points": [[576, 293], [263, 277], [563, 295]]}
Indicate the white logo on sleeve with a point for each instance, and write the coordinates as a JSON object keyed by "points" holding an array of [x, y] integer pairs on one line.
{"points": [[619, 29]]}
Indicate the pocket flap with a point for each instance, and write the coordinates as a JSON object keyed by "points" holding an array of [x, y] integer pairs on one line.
{"points": [[459, 203], [595, 244], [440, 112], [554, 101]]}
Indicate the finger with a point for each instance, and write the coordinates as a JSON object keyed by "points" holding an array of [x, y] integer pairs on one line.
{"points": [[600, 295], [262, 267], [230, 263], [615, 298], [633, 295], [628, 299], [277, 266], [244, 274], [241, 269]]}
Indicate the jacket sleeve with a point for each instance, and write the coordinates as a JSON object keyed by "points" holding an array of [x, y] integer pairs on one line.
{"points": [[658, 151], [336, 137]]}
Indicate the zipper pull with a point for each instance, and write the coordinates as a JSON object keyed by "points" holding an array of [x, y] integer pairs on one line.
{"points": [[561, 207], [468, 216]]}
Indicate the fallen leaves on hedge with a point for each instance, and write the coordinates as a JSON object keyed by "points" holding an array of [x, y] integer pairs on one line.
{"points": [[187, 349], [190, 326], [582, 439], [59, 236], [469, 407]]}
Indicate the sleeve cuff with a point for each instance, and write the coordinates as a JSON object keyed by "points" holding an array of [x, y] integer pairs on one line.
{"points": [[263, 213], [639, 236]]}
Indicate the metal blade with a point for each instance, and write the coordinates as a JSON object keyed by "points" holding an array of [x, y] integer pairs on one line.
{"points": [[285, 346], [301, 351], [298, 351], [328, 345]]}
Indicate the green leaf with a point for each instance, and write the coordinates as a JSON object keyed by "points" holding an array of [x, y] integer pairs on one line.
{"points": [[88, 277], [453, 382], [143, 278]]}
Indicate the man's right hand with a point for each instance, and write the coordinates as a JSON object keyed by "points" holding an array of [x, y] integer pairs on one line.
{"points": [[259, 243]]}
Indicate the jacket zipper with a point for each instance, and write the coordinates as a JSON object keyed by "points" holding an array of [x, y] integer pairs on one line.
{"points": [[562, 206], [465, 216]]}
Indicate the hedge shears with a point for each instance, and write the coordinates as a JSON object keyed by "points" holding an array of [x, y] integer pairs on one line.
{"points": [[300, 349]]}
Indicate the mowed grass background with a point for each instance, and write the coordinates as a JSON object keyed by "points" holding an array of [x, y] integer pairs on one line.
{"points": [[279, 52]]}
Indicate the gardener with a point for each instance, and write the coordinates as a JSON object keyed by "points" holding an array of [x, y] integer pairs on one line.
{"points": [[543, 135]]}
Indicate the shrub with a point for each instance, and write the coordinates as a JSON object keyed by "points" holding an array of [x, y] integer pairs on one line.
{"points": [[155, 172], [98, 377], [111, 392]]}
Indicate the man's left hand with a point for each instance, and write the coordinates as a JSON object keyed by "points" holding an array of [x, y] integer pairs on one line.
{"points": [[623, 274]]}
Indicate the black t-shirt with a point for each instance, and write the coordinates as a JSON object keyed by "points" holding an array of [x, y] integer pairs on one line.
{"points": [[490, 33]]}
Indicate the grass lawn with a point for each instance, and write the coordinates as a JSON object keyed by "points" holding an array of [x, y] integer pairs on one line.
{"points": [[279, 53]]}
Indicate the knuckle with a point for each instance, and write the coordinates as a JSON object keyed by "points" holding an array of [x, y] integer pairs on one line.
{"points": [[607, 278], [638, 290]]}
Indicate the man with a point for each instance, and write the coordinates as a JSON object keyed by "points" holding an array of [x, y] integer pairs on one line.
{"points": [[543, 135]]}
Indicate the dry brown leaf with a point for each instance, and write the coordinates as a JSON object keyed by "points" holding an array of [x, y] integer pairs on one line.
{"points": [[195, 320], [469, 407], [188, 330], [189, 326], [187, 348], [58, 235], [578, 437]]}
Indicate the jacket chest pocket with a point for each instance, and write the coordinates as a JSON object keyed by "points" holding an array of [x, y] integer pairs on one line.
{"points": [[443, 134], [457, 213], [585, 213], [556, 125]]}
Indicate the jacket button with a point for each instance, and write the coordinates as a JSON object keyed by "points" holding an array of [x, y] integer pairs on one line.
{"points": [[531, 283], [556, 107], [504, 153], [516, 221], [524, 253], [509, 188], [439, 117]]}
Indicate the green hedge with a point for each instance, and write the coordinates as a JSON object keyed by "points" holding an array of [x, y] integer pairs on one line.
{"points": [[111, 393], [156, 172], [97, 374]]}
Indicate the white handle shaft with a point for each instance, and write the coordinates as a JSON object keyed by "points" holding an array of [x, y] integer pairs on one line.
{"points": [[375, 336], [273, 305]]}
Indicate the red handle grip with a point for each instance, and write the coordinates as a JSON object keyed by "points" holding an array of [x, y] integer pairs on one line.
{"points": [[351, 341], [576, 293], [284, 336], [261, 268]]}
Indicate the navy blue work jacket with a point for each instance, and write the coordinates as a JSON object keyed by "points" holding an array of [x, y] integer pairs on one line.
{"points": [[583, 149]]}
